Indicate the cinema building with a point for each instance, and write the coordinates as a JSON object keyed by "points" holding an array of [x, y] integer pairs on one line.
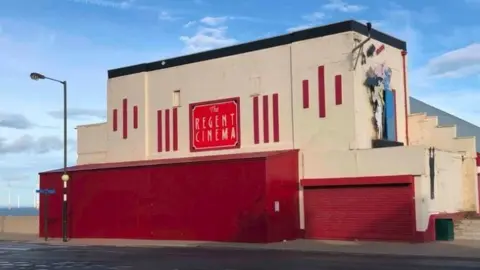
{"points": [[305, 135]]}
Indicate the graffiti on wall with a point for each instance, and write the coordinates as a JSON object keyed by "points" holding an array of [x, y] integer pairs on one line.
{"points": [[378, 81]]}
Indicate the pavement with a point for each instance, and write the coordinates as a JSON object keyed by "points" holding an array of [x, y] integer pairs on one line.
{"points": [[22, 256], [453, 249], [29, 252]]}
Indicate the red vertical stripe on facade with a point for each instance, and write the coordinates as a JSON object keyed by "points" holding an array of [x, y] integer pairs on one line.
{"points": [[115, 120], [306, 94], [167, 130], [125, 118], [159, 131], [175, 129], [256, 126], [338, 89], [266, 125], [321, 92], [276, 122], [135, 117]]}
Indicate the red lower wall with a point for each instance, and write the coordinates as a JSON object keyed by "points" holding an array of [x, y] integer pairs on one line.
{"points": [[379, 208], [230, 200], [282, 186]]}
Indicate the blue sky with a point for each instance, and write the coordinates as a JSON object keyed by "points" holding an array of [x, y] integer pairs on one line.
{"points": [[79, 40]]}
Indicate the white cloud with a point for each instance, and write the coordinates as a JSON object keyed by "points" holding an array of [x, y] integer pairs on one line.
{"points": [[314, 17], [214, 21], [190, 24], [135, 5], [458, 63], [165, 16], [222, 20], [79, 113], [207, 38], [15, 121], [339, 5], [120, 4], [299, 27], [29, 144]]}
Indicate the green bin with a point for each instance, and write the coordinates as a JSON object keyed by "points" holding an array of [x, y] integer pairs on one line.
{"points": [[444, 230]]}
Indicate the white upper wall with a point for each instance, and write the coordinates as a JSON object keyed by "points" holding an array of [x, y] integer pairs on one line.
{"points": [[334, 130], [272, 87], [260, 73], [123, 94]]}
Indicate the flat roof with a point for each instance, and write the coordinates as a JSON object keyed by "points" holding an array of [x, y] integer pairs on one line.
{"points": [[311, 33], [171, 161]]}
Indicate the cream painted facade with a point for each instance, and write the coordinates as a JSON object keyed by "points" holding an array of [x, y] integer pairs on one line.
{"points": [[424, 130], [279, 70], [338, 145]]}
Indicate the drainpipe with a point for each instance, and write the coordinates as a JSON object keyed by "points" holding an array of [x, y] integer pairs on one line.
{"points": [[405, 94]]}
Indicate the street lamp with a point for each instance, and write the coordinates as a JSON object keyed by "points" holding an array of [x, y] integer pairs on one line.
{"points": [[37, 76]]}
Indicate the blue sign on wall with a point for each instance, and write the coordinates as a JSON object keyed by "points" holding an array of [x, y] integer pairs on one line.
{"points": [[46, 191], [390, 115]]}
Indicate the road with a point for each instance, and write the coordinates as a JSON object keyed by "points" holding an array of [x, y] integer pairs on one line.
{"points": [[20, 256]]}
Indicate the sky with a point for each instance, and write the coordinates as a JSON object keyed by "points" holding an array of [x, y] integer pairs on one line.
{"points": [[79, 40]]}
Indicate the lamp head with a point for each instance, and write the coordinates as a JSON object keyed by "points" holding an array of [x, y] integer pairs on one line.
{"points": [[36, 76], [65, 177]]}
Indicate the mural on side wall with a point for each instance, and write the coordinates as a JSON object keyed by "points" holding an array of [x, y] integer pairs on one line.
{"points": [[378, 81]]}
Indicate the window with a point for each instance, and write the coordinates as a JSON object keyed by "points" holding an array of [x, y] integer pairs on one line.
{"points": [[176, 98]]}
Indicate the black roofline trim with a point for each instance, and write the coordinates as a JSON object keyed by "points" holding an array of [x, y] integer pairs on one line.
{"points": [[311, 33]]}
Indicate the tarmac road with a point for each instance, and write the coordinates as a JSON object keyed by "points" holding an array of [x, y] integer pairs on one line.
{"points": [[20, 256]]}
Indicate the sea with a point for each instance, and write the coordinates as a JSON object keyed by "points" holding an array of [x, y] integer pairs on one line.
{"points": [[22, 211]]}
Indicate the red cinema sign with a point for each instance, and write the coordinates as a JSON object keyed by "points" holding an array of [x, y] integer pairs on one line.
{"points": [[215, 125]]}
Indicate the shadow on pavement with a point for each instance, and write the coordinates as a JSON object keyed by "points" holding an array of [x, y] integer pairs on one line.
{"points": [[454, 249]]}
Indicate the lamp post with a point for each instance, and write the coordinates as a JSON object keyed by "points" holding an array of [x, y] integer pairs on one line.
{"points": [[65, 177]]}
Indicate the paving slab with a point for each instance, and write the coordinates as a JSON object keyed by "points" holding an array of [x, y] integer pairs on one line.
{"points": [[451, 249]]}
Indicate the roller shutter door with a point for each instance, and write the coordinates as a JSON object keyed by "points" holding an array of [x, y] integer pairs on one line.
{"points": [[382, 212]]}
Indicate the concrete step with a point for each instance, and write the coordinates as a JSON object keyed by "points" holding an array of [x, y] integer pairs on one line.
{"points": [[469, 222], [445, 132], [431, 121], [467, 145], [467, 228], [416, 134], [472, 225], [466, 232], [468, 237], [425, 130], [417, 116]]}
